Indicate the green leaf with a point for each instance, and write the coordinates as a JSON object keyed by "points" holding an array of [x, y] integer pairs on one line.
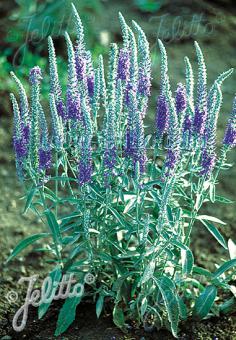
{"points": [[25, 243], [168, 292], [187, 261], [144, 305], [202, 271], [223, 268], [67, 314], [29, 199], [118, 317], [55, 276], [99, 305], [130, 205], [222, 199], [148, 272], [182, 309], [210, 218], [232, 249], [215, 232], [54, 227], [204, 302], [117, 215]]}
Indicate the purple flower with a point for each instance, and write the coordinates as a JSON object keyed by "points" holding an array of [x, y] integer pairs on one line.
{"points": [[129, 140], [26, 133], [20, 147], [85, 162], [230, 133], [144, 84], [172, 158], [90, 84], [162, 116], [199, 121], [73, 106], [80, 63], [127, 96], [45, 159], [187, 123], [208, 163], [123, 64], [140, 157], [180, 98], [85, 171], [61, 109], [230, 136], [35, 75], [110, 157]]}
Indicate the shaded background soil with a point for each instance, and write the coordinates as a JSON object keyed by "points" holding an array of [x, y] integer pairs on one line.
{"points": [[214, 29]]}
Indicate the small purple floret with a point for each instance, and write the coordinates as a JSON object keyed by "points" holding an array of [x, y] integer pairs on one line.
{"points": [[45, 159], [162, 115], [208, 163], [20, 148], [123, 65], [230, 136], [180, 98], [73, 107], [90, 84], [144, 85], [80, 63], [35, 75], [187, 123], [171, 160], [199, 121]]}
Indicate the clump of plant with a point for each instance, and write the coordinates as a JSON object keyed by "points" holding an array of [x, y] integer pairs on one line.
{"points": [[115, 202]]}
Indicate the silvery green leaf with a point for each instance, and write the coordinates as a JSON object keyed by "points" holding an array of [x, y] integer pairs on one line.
{"points": [[67, 314], [99, 305], [210, 218], [215, 232], [167, 290], [25, 243], [55, 276], [232, 249], [118, 317], [204, 302], [223, 268], [144, 304], [148, 272], [187, 260]]}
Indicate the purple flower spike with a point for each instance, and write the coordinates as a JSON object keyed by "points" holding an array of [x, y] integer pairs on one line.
{"points": [[35, 75], [144, 85], [141, 159], [73, 107], [199, 121], [230, 132], [208, 163], [110, 157], [20, 148], [26, 133], [61, 110], [90, 84], [230, 136], [45, 159], [180, 99], [85, 166], [80, 63], [123, 65], [162, 116], [171, 160], [187, 123]]}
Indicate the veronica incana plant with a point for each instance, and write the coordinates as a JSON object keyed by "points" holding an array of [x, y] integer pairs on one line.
{"points": [[116, 202]]}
